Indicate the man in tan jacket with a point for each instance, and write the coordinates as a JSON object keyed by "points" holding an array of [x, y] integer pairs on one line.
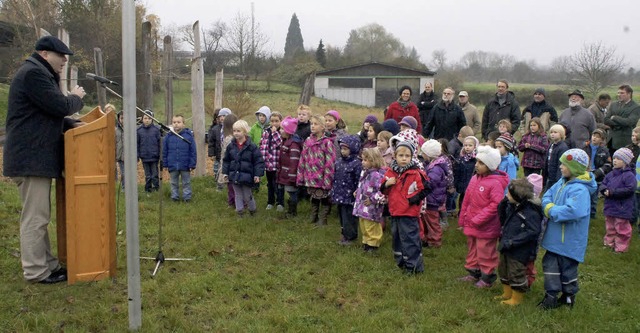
{"points": [[470, 112]]}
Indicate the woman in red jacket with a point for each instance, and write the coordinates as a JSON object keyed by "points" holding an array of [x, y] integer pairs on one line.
{"points": [[403, 107]]}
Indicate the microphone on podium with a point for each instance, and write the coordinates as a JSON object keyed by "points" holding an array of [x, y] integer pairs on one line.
{"points": [[101, 79]]}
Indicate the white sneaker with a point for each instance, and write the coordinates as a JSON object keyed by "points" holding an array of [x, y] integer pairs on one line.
{"points": [[269, 207], [280, 208]]}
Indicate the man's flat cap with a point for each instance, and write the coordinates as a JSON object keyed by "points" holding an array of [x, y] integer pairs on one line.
{"points": [[50, 43]]}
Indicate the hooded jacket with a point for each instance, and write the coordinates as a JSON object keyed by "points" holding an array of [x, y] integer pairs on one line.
{"points": [[437, 172], [241, 164], [479, 212], [317, 163], [36, 119], [347, 172], [148, 143], [177, 154], [289, 158], [255, 133], [521, 227], [621, 184], [369, 188], [494, 112], [568, 226]]}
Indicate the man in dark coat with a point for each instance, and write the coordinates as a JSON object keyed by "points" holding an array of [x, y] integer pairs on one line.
{"points": [[446, 119], [33, 150], [502, 106], [428, 100]]}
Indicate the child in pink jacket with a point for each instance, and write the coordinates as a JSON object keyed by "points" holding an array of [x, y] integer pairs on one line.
{"points": [[479, 217]]}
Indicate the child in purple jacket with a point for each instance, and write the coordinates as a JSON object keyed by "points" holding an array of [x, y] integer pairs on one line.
{"points": [[345, 182], [436, 168], [370, 202], [618, 188]]}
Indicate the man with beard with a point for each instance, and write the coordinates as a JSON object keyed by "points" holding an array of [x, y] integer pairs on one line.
{"points": [[427, 101], [502, 106], [470, 111], [579, 120], [446, 119], [622, 118], [541, 109]]}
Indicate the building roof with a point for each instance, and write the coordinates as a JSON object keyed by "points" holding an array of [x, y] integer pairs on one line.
{"points": [[375, 69]]}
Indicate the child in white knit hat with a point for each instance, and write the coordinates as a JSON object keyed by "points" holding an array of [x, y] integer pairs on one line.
{"points": [[479, 217], [437, 168]]}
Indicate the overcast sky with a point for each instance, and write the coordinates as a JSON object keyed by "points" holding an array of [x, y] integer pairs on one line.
{"points": [[529, 30]]}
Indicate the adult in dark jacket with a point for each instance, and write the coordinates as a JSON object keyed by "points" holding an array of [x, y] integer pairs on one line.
{"points": [[428, 100], [403, 107], [502, 106], [446, 119], [579, 120], [539, 108], [149, 141], [622, 118], [33, 150]]}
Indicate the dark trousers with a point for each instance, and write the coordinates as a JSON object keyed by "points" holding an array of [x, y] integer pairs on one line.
{"points": [[451, 201], [528, 171], [594, 202], [348, 222], [560, 274], [273, 195], [513, 273], [293, 195], [151, 181], [407, 248]]}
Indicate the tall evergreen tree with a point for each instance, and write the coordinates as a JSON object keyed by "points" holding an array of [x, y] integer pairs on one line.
{"points": [[294, 42], [321, 56]]}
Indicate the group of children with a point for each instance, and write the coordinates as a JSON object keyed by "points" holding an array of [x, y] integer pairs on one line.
{"points": [[387, 172]]}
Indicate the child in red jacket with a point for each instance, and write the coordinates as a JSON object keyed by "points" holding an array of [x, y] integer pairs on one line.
{"points": [[406, 186], [479, 217]]}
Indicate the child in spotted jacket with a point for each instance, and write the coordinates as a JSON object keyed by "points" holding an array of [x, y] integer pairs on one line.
{"points": [[370, 202], [345, 182]]}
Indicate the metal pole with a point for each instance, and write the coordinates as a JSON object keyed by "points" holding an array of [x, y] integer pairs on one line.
{"points": [[130, 165]]}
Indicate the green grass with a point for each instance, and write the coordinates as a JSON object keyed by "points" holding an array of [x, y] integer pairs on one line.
{"points": [[264, 274]]}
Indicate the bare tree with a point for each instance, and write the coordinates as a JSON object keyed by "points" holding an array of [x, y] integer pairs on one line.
{"points": [[596, 66], [439, 59], [246, 42]]}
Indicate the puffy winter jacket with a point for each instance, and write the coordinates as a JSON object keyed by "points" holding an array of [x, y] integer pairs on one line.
{"points": [[510, 165], [369, 188], [437, 172], [521, 227], [602, 161], [148, 143], [177, 154], [411, 183], [347, 172], [462, 173], [552, 167], [241, 164], [479, 212], [317, 163], [568, 226], [621, 184], [396, 112], [289, 158]]}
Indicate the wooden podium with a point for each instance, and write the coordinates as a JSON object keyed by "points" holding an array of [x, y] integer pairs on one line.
{"points": [[85, 200]]}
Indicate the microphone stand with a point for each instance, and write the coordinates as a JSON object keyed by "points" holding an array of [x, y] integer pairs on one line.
{"points": [[159, 258]]}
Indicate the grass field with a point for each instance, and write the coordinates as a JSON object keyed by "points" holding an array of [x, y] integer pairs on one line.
{"points": [[265, 274]]}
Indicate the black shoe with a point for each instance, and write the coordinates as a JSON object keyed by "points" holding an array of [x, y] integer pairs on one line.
{"points": [[567, 299], [252, 212], [59, 271], [54, 279], [548, 302]]}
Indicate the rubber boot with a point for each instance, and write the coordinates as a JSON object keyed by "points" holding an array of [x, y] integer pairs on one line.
{"points": [[567, 299], [516, 298], [548, 302], [506, 292], [315, 209], [292, 209], [323, 214]]}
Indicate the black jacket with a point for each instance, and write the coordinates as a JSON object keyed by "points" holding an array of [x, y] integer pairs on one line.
{"points": [[521, 227], [541, 107], [602, 161], [552, 166], [242, 164], [445, 120], [427, 101], [36, 120], [214, 141], [493, 113]]}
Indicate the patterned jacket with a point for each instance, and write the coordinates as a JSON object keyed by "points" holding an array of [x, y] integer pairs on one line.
{"points": [[347, 172], [289, 158], [317, 163], [437, 172], [270, 149], [369, 188], [533, 156]]}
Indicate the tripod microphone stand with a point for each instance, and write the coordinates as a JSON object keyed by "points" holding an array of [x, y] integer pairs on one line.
{"points": [[159, 258]]}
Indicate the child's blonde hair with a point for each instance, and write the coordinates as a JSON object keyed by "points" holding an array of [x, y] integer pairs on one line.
{"points": [[465, 131], [276, 114], [637, 131], [303, 107], [506, 123], [560, 130], [241, 125], [385, 136], [373, 155], [109, 106]]}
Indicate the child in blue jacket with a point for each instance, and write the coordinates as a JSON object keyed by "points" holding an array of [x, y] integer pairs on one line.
{"points": [[567, 204], [180, 158]]}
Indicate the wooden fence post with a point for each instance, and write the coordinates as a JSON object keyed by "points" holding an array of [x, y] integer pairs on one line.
{"points": [[197, 102], [147, 81], [167, 72], [99, 67], [217, 102]]}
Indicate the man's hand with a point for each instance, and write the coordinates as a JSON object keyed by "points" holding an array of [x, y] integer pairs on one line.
{"points": [[78, 90]]}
